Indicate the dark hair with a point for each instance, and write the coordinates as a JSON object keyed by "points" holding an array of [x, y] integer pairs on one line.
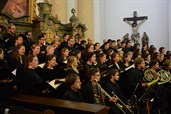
{"points": [[109, 51], [168, 56], [15, 53], [112, 72], [1, 50], [65, 35], [145, 55], [136, 53], [113, 41], [29, 59], [88, 46], [160, 49], [166, 63], [32, 48], [40, 37], [21, 35], [93, 71], [109, 40], [89, 55], [101, 55], [123, 42], [96, 44], [154, 55], [83, 41], [138, 61], [70, 79], [114, 55], [76, 52], [26, 33], [118, 40], [48, 58], [153, 62]]}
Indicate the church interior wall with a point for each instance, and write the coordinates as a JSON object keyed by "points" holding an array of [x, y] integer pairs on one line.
{"points": [[156, 26], [107, 20]]}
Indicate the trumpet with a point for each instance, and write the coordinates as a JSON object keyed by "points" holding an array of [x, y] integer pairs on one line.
{"points": [[119, 103]]}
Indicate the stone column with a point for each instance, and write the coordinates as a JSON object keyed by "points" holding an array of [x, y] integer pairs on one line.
{"points": [[85, 15]]}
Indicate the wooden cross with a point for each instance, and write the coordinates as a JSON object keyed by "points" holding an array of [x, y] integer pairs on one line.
{"points": [[135, 18]]}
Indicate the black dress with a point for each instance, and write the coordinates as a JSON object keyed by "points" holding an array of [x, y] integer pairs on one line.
{"points": [[9, 41], [69, 70], [32, 83], [5, 88], [50, 74], [18, 66]]}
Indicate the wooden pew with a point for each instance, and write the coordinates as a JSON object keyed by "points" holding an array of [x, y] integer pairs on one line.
{"points": [[59, 106]]}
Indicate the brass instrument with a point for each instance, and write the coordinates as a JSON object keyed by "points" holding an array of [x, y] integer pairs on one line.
{"points": [[150, 77], [164, 77], [161, 77], [98, 96], [119, 103]]}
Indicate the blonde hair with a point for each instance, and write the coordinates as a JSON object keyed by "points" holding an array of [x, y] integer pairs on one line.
{"points": [[49, 47], [70, 62]]}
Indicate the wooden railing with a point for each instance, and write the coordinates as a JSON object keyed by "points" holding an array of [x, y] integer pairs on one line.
{"points": [[59, 106]]}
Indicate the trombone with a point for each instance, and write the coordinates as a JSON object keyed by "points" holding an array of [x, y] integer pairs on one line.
{"points": [[119, 103]]}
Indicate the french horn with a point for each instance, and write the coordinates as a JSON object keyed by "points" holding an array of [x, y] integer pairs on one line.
{"points": [[164, 77], [150, 77]]}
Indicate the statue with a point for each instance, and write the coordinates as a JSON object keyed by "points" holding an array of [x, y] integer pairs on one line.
{"points": [[145, 39], [126, 37], [135, 35]]}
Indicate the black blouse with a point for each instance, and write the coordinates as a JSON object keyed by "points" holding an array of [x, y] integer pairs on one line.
{"points": [[32, 83]]}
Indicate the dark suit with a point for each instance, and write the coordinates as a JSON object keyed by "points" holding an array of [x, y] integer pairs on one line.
{"points": [[73, 96], [114, 87], [88, 94]]}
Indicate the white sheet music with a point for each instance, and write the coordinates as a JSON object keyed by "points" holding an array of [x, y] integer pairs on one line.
{"points": [[61, 80], [52, 83], [41, 65], [132, 66], [14, 72]]}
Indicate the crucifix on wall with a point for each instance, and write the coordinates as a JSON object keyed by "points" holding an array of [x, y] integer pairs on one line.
{"points": [[135, 25]]}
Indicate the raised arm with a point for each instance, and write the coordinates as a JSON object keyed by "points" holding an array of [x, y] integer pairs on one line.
{"points": [[142, 21], [127, 21]]}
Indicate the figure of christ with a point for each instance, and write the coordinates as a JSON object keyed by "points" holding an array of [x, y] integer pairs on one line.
{"points": [[135, 25]]}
